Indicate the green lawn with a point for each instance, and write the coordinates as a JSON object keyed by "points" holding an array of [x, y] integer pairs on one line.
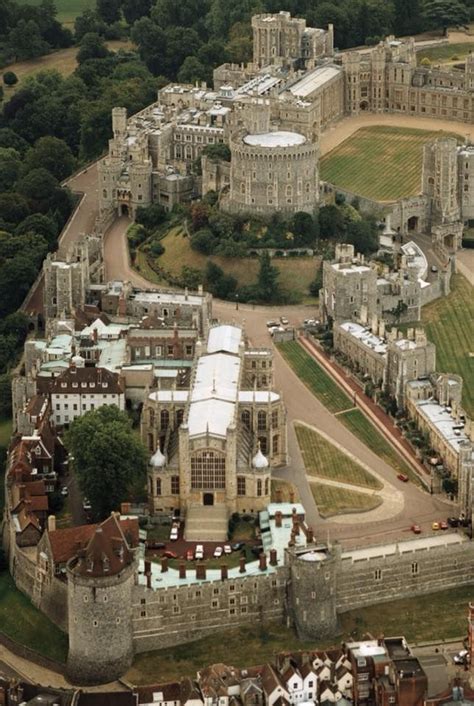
{"points": [[446, 53], [379, 162], [68, 10], [5, 432], [449, 323], [318, 381], [22, 622], [336, 501], [439, 616], [359, 425], [324, 460]]}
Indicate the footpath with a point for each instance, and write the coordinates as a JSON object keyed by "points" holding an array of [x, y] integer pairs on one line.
{"points": [[368, 407]]}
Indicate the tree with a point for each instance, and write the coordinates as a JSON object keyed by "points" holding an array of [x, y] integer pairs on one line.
{"points": [[89, 21], [13, 208], [10, 78], [41, 224], [109, 10], [445, 13], [204, 241], [134, 9], [9, 168], [218, 283], [108, 457], [52, 154], [192, 70], [26, 41], [267, 283], [331, 222], [92, 47], [37, 185], [150, 216], [317, 282], [363, 235]]}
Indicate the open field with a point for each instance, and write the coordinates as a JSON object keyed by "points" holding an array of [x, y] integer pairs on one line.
{"points": [[446, 54], [68, 10], [361, 427], [22, 622], [318, 381], [63, 61], [379, 162], [5, 431], [296, 274], [449, 323], [332, 500], [440, 616], [323, 460]]}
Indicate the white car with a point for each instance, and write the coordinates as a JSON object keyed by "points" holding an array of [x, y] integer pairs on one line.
{"points": [[86, 504], [227, 549], [460, 658], [64, 491], [271, 324], [284, 320], [217, 552], [199, 552], [174, 534]]}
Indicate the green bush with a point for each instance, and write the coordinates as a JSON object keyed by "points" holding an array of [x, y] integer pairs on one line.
{"points": [[10, 78]]}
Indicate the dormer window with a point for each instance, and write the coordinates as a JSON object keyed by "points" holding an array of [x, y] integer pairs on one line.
{"points": [[83, 384], [38, 450], [105, 384], [106, 564], [90, 565], [64, 384], [74, 384], [92, 384]]}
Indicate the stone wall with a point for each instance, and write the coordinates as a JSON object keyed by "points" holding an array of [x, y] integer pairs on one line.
{"points": [[53, 603], [172, 616]]}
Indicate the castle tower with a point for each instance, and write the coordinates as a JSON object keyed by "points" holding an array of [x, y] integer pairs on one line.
{"points": [[100, 582], [378, 79], [469, 80], [351, 65], [119, 122], [440, 180]]}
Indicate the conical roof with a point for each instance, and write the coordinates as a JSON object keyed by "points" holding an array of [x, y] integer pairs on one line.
{"points": [[259, 460], [158, 460]]}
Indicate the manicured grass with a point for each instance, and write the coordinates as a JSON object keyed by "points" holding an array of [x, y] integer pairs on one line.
{"points": [[361, 427], [324, 460], [314, 377], [379, 162], [332, 500], [5, 432], [296, 274], [449, 323], [23, 623], [446, 53], [240, 647]]}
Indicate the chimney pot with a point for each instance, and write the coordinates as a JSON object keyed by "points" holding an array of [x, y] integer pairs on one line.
{"points": [[51, 523], [182, 570], [147, 566], [164, 564], [224, 572], [273, 557], [278, 517], [309, 535], [242, 568], [262, 562], [148, 579], [200, 572]]}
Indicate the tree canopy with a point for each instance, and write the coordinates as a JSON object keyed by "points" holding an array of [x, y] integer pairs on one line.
{"points": [[108, 456]]}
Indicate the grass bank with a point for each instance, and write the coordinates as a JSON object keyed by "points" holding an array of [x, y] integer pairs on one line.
{"points": [[449, 323], [23, 623], [439, 616], [324, 460], [332, 500], [314, 377]]}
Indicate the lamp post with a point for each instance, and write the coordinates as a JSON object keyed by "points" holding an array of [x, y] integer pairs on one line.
{"points": [[237, 302]]}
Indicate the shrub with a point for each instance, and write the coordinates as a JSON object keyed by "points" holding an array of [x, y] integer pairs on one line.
{"points": [[10, 78]]}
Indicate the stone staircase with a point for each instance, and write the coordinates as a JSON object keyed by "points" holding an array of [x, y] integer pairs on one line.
{"points": [[206, 523]]}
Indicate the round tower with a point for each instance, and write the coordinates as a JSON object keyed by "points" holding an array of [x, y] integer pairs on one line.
{"points": [[100, 583], [312, 595]]}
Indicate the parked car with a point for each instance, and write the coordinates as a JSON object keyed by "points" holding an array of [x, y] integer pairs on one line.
{"points": [[434, 268], [237, 546], [64, 491], [435, 526], [402, 477], [443, 525], [170, 555], [227, 549], [218, 552], [460, 657], [86, 504], [189, 555], [416, 529], [174, 534], [284, 320], [155, 545], [453, 521], [199, 552], [272, 324]]}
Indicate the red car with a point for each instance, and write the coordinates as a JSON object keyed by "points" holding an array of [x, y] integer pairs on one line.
{"points": [[189, 555], [443, 525], [416, 529], [402, 477], [170, 555]]}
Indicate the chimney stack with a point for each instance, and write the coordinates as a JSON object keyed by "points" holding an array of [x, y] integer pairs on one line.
{"points": [[242, 568], [309, 535], [182, 570], [147, 566], [148, 579], [262, 562], [51, 523], [224, 572], [201, 572], [164, 564], [279, 496], [95, 335], [278, 517], [273, 557]]}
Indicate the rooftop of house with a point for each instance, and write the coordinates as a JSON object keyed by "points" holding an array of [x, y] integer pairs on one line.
{"points": [[439, 417], [65, 542]]}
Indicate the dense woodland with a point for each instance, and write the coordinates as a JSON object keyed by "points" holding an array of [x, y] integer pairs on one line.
{"points": [[52, 124]]}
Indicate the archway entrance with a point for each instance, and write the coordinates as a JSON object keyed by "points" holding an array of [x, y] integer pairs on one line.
{"points": [[412, 223], [124, 209], [208, 499], [364, 105], [449, 241]]}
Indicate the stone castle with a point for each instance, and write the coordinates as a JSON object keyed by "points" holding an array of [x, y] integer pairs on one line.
{"points": [[271, 113]]}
